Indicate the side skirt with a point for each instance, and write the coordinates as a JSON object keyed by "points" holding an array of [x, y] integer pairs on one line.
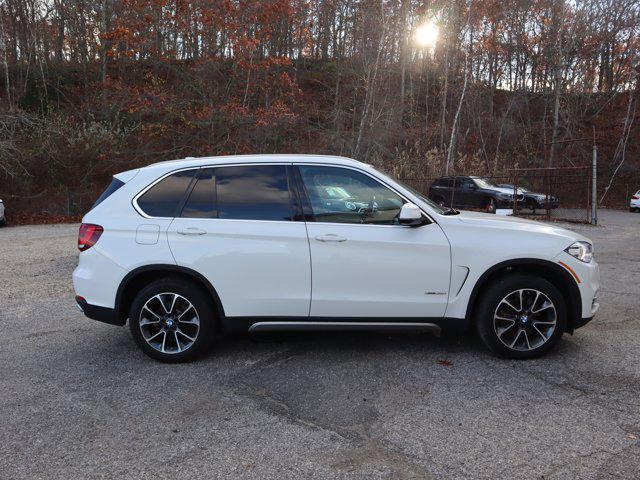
{"points": [[280, 324], [341, 326]]}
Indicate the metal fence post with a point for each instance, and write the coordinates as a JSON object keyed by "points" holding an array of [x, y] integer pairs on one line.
{"points": [[594, 190]]}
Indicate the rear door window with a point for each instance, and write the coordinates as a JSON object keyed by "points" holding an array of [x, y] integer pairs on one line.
{"points": [[202, 200], [164, 198], [248, 192]]}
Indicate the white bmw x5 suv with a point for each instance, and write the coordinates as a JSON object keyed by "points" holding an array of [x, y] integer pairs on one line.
{"points": [[187, 249]]}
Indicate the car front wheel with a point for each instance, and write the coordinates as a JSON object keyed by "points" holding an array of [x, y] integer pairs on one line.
{"points": [[490, 206], [172, 320], [521, 316]]}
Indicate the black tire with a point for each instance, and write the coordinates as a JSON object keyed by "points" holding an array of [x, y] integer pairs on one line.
{"points": [[492, 299], [3, 222], [490, 206], [205, 313]]}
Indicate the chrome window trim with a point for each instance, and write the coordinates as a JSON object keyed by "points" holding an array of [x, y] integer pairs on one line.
{"points": [[134, 201], [138, 209]]}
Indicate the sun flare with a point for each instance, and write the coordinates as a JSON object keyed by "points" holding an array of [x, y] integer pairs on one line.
{"points": [[427, 34]]}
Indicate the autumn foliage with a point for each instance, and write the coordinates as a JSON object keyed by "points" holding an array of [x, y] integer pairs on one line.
{"points": [[88, 89]]}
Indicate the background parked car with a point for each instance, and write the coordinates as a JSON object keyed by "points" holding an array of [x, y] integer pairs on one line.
{"points": [[472, 192], [534, 200], [3, 220], [634, 203]]}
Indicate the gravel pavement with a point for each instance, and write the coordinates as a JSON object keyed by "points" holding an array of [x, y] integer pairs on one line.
{"points": [[78, 400]]}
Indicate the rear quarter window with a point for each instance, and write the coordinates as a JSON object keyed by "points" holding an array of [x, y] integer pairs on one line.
{"points": [[164, 198], [113, 187]]}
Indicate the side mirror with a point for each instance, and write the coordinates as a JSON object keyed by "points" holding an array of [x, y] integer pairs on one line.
{"points": [[410, 215]]}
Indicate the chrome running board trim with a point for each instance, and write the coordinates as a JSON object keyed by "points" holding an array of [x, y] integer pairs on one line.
{"points": [[344, 326]]}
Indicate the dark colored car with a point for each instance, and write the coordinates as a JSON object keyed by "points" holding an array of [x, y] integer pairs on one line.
{"points": [[534, 200], [472, 192]]}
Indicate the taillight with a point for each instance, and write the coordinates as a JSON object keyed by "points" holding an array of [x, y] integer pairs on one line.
{"points": [[88, 236]]}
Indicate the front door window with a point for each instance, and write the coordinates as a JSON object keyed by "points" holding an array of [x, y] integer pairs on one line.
{"points": [[341, 195]]}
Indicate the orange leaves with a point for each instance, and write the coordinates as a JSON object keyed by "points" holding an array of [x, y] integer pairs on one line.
{"points": [[276, 113]]}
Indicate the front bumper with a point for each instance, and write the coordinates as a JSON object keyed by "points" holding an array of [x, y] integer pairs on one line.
{"points": [[539, 202], [587, 277], [504, 203], [101, 314], [552, 203], [582, 322]]}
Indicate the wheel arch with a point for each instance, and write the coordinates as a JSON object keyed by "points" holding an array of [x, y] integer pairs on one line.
{"points": [[546, 269], [138, 278]]}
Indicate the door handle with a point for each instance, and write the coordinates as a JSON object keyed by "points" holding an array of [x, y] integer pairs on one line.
{"points": [[191, 231], [330, 237]]}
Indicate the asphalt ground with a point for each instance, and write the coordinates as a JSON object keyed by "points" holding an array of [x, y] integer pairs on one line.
{"points": [[79, 400]]}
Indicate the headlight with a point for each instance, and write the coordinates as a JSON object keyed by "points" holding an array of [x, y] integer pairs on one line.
{"points": [[583, 251]]}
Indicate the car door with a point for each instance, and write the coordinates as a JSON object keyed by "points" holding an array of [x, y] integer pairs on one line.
{"points": [[238, 228], [465, 192], [364, 264]]}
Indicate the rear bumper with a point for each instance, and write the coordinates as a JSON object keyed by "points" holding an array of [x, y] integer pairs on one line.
{"points": [[101, 314]]}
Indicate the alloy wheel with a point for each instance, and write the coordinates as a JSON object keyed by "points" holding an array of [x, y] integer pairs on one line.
{"points": [[525, 319], [169, 323]]}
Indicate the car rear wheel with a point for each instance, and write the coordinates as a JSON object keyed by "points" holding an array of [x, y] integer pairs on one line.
{"points": [[521, 316], [172, 320], [532, 205]]}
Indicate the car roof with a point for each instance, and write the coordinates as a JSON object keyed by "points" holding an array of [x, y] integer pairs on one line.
{"points": [[256, 158]]}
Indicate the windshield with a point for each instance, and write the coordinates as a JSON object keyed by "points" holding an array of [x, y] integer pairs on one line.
{"points": [[484, 183], [420, 196], [336, 192], [511, 187]]}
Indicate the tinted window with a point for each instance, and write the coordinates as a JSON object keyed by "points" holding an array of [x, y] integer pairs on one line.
{"points": [[163, 199], [113, 186], [202, 200], [465, 183], [341, 195], [251, 192]]}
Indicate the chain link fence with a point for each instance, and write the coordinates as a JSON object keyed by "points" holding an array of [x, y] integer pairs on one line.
{"points": [[552, 194]]}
